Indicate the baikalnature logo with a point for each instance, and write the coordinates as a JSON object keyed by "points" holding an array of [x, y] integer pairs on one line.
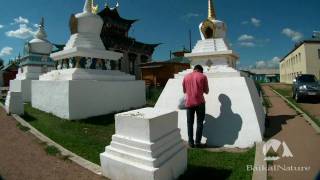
{"points": [[270, 150]]}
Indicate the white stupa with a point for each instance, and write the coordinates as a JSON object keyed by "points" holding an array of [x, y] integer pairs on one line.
{"points": [[234, 112], [74, 91], [34, 62]]}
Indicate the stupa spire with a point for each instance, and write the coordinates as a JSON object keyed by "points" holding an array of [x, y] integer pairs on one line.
{"points": [[88, 6], [41, 33], [211, 11]]}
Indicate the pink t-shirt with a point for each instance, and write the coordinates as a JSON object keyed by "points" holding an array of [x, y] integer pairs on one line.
{"points": [[194, 85]]}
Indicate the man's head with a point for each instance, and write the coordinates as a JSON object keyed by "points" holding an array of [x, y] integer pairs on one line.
{"points": [[198, 68]]}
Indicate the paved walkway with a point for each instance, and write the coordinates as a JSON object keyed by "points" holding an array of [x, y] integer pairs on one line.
{"points": [[301, 138], [22, 157]]}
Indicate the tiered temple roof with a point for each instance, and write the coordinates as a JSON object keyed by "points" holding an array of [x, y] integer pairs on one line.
{"points": [[115, 33]]}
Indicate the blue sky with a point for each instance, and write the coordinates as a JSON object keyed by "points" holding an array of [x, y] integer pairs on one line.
{"points": [[260, 31]]}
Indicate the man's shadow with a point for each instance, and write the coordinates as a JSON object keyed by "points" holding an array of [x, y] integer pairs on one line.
{"points": [[223, 130]]}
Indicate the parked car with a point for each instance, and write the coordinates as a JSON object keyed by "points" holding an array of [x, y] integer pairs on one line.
{"points": [[305, 85]]}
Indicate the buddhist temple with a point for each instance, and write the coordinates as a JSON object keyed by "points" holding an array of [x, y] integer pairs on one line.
{"points": [[115, 36]]}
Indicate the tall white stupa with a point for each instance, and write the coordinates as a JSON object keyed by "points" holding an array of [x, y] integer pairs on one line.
{"points": [[34, 62], [234, 111], [74, 91]]}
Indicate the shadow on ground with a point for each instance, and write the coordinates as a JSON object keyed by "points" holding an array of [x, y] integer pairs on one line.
{"points": [[100, 120], [201, 172], [310, 100], [27, 117], [274, 124]]}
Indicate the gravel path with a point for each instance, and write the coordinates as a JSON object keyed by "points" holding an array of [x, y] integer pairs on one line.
{"points": [[303, 141], [23, 157]]}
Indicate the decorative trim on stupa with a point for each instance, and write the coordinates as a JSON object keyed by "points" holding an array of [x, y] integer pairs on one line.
{"points": [[41, 33], [85, 40]]}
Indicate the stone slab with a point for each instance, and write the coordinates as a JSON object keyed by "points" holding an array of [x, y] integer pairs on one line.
{"points": [[14, 103], [160, 154]]}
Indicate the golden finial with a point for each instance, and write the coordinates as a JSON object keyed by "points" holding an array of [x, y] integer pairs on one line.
{"points": [[211, 11], [95, 9], [88, 6]]}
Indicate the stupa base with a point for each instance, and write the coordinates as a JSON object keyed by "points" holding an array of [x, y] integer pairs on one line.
{"points": [[234, 112], [81, 99]]}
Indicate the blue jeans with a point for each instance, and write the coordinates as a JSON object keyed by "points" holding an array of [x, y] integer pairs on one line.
{"points": [[201, 111]]}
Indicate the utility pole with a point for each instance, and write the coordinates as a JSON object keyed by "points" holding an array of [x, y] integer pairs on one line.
{"points": [[190, 39]]}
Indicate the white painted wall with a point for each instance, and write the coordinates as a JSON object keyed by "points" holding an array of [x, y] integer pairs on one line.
{"points": [[82, 99]]}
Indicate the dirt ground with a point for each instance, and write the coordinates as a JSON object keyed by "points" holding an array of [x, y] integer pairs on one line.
{"points": [[303, 141], [23, 157]]}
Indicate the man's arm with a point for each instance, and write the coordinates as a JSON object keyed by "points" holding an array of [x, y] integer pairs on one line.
{"points": [[206, 86], [184, 86]]}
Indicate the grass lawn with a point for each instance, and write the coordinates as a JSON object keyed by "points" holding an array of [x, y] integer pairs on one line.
{"points": [[88, 139], [287, 93], [153, 94], [218, 165]]}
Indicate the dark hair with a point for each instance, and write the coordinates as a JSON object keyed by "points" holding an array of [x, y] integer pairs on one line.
{"points": [[198, 68]]}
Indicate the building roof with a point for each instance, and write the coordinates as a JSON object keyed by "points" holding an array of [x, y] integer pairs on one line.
{"points": [[114, 14], [157, 64], [9, 66], [183, 60], [310, 41], [265, 71]]}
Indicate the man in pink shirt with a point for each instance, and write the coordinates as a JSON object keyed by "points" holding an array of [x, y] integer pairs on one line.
{"points": [[195, 85]]}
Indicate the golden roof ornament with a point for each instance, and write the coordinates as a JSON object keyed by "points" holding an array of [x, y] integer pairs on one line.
{"points": [[211, 11], [95, 8], [88, 6]]}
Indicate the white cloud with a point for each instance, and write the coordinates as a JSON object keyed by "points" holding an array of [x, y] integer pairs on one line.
{"points": [[269, 64], [24, 32], [253, 21], [244, 22], [256, 22], [246, 37], [36, 25], [247, 44], [294, 35], [20, 20], [1, 26], [261, 64], [6, 51], [188, 16]]}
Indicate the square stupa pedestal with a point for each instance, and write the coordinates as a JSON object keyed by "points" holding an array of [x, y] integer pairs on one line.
{"points": [[22, 83], [147, 146], [83, 93], [23, 86], [14, 103]]}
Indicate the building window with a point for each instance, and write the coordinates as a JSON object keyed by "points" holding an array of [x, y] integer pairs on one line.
{"points": [[299, 57], [132, 60]]}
